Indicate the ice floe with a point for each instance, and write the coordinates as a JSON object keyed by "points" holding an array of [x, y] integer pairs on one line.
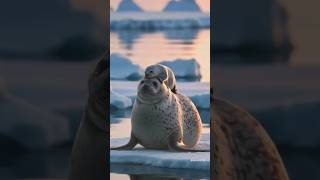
{"points": [[122, 68], [184, 68], [162, 158], [119, 101]]}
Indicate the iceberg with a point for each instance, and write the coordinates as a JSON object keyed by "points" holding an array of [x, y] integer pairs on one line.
{"points": [[128, 5], [182, 5], [121, 68], [187, 69]]}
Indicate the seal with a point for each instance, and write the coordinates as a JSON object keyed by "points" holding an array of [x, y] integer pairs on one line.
{"points": [[242, 149], [163, 120], [87, 162], [164, 73]]}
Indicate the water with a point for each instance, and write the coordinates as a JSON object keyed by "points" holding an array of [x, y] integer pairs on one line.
{"points": [[145, 48]]}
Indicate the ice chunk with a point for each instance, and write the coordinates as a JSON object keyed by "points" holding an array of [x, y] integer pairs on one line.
{"points": [[122, 68], [202, 101], [119, 101], [184, 68]]}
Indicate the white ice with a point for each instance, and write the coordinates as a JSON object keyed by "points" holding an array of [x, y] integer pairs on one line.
{"points": [[122, 68], [119, 101], [184, 68], [158, 158], [198, 92]]}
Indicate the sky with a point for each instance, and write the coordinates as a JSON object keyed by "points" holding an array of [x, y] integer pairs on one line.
{"points": [[158, 5]]}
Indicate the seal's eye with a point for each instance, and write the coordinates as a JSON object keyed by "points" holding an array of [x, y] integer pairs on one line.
{"points": [[151, 71], [142, 82], [155, 84]]}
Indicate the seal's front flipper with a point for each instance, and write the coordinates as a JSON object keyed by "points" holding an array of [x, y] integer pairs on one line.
{"points": [[130, 145], [174, 145]]}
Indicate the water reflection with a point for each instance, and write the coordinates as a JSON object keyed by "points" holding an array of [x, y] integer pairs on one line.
{"points": [[128, 38], [136, 172], [145, 48], [185, 36]]}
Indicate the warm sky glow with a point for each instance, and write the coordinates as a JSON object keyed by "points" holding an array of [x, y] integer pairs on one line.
{"points": [[158, 5]]}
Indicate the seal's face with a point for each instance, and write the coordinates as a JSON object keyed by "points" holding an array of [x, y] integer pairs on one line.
{"points": [[151, 89], [152, 71]]}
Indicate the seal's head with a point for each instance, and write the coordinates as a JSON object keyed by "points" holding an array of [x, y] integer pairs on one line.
{"points": [[153, 71], [152, 90]]}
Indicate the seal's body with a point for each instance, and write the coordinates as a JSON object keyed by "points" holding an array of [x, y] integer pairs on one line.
{"points": [[175, 113], [162, 119], [164, 73]]}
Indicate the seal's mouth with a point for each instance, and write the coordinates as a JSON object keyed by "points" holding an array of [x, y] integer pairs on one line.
{"points": [[148, 90], [149, 75]]}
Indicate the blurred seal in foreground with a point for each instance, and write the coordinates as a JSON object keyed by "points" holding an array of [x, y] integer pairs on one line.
{"points": [[89, 154], [241, 148]]}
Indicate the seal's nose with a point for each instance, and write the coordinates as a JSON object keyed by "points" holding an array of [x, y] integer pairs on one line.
{"points": [[146, 87]]}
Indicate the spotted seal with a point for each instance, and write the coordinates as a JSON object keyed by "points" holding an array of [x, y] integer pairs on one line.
{"points": [[164, 73], [163, 120]]}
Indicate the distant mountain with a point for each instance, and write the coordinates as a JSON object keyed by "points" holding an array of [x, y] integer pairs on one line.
{"points": [[128, 5], [182, 5]]}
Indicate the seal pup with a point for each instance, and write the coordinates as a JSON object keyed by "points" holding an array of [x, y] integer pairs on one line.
{"points": [[163, 120], [164, 73]]}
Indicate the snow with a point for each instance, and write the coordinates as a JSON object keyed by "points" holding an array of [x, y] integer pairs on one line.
{"points": [[119, 101], [198, 92], [150, 21], [182, 5], [122, 68], [161, 158], [128, 5], [184, 68]]}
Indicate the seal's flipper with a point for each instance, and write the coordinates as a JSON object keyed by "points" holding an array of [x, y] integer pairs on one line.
{"points": [[130, 145], [174, 145]]}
